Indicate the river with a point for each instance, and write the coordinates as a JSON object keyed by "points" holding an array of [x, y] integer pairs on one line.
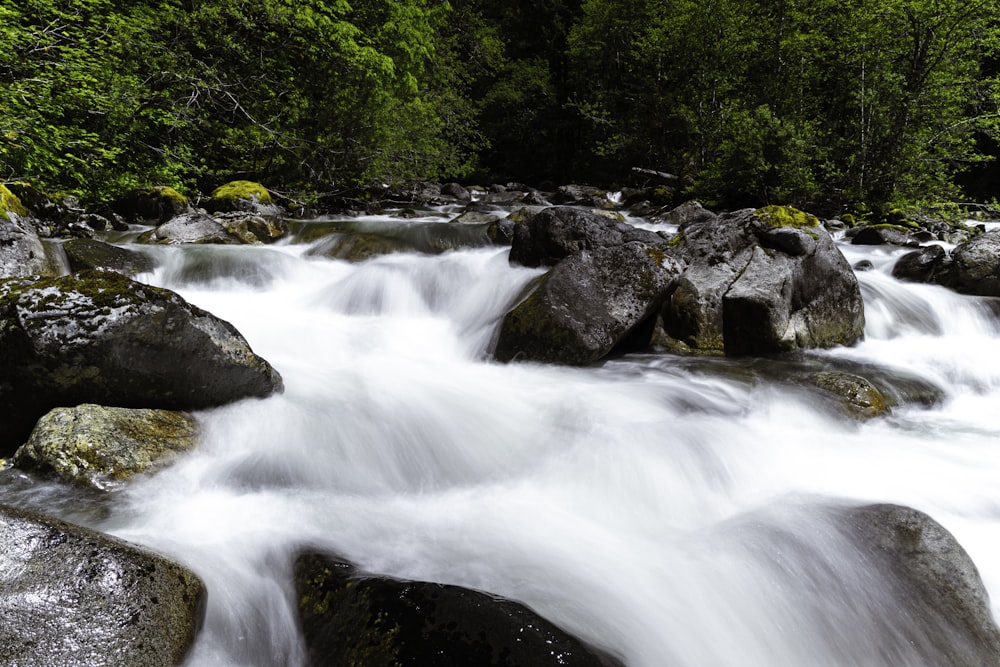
{"points": [[669, 509]]}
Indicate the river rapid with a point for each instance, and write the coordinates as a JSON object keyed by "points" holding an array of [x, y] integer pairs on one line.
{"points": [[670, 509]]}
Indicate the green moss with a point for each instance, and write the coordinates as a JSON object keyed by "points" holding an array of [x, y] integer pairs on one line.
{"points": [[786, 216], [9, 203], [677, 239], [166, 192], [242, 190]]}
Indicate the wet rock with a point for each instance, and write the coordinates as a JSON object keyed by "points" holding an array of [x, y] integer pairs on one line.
{"points": [[190, 228], [559, 232], [253, 229], [921, 266], [357, 247], [760, 282], [21, 249], [100, 447], [863, 265], [688, 212], [99, 337], [975, 266], [350, 619], [73, 596], [457, 191], [857, 396], [884, 235], [938, 587], [92, 254], [589, 305]]}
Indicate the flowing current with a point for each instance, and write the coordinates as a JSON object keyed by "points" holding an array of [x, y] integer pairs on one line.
{"points": [[668, 509]]}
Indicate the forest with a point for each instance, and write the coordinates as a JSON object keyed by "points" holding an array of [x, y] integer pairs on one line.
{"points": [[856, 106]]}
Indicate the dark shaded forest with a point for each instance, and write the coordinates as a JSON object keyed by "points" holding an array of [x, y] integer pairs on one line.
{"points": [[834, 106]]}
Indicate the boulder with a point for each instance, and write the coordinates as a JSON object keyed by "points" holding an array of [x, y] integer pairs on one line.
{"points": [[99, 337], [937, 587], [351, 619], [589, 305], [155, 204], [92, 254], [253, 229], [921, 266], [245, 196], [558, 232], [73, 596], [100, 447], [21, 249], [688, 212], [975, 266], [357, 247], [883, 235], [190, 228], [760, 282], [456, 191]]}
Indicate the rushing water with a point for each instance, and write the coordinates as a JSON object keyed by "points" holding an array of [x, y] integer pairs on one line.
{"points": [[668, 509]]}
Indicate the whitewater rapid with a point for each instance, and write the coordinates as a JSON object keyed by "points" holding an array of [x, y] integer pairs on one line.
{"points": [[668, 509]]}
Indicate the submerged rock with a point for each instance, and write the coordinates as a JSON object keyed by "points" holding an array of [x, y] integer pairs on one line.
{"points": [[939, 591], [588, 305], [859, 397], [99, 337], [99, 447], [92, 254], [350, 619], [73, 596]]}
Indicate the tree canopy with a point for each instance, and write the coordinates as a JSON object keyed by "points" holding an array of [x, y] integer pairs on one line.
{"points": [[819, 103]]}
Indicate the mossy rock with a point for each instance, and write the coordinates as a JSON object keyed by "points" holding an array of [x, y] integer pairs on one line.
{"points": [[152, 204], [786, 216], [9, 203], [242, 196], [100, 447], [855, 394]]}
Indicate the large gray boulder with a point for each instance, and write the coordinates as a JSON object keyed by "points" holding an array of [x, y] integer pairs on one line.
{"points": [[192, 227], [589, 305], [350, 619], [73, 596], [101, 447], [21, 249], [559, 232], [759, 282], [99, 337], [93, 254], [975, 266], [937, 587]]}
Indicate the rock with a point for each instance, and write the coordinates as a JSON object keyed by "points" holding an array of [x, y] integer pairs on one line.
{"points": [[555, 233], [457, 191], [21, 249], [99, 337], [582, 195], [864, 265], [921, 266], [477, 217], [253, 229], [590, 304], [357, 247], [73, 596], [155, 204], [975, 266], [759, 282], [856, 395], [99, 447], [245, 196], [688, 212], [350, 619], [91, 254], [190, 228], [884, 235], [938, 588]]}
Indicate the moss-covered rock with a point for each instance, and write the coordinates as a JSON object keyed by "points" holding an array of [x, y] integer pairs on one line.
{"points": [[99, 337], [247, 196], [349, 619], [856, 395], [786, 216], [9, 203], [155, 204], [21, 249], [73, 596], [101, 447]]}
